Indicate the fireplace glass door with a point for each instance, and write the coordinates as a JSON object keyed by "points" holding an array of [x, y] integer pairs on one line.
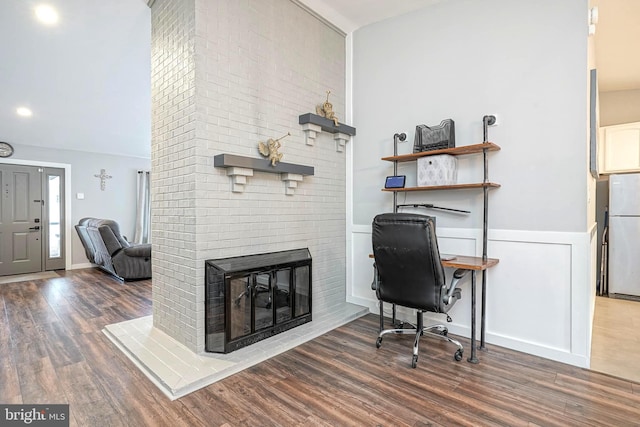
{"points": [[282, 295], [259, 296], [240, 319], [263, 297], [253, 297], [303, 291]]}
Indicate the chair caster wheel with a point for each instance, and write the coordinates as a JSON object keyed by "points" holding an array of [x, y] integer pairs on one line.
{"points": [[378, 342], [414, 361], [458, 355]]}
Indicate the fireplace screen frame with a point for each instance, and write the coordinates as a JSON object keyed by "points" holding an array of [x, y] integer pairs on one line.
{"points": [[239, 288]]}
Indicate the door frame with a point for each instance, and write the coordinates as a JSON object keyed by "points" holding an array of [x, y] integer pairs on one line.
{"points": [[67, 199]]}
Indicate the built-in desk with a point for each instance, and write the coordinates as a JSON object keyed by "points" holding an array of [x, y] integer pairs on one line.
{"points": [[470, 263], [473, 264]]}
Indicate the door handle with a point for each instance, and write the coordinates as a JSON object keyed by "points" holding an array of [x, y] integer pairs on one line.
{"points": [[37, 227]]}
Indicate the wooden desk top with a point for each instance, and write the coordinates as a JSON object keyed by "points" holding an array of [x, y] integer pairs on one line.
{"points": [[470, 262], [467, 262]]}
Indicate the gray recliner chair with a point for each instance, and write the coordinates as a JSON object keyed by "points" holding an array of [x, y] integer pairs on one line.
{"points": [[105, 246]]}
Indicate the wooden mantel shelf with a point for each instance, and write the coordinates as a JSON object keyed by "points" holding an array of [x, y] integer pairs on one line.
{"points": [[313, 124], [263, 165], [241, 167], [326, 124]]}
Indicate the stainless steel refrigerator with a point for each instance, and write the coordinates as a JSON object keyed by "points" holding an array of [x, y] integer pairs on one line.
{"points": [[624, 234]]}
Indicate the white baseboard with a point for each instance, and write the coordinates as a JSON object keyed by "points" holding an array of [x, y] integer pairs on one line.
{"points": [[81, 266]]}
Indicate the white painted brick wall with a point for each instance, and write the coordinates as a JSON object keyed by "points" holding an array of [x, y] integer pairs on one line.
{"points": [[173, 168], [226, 75]]}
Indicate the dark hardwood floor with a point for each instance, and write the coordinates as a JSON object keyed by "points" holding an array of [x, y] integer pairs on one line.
{"points": [[52, 350]]}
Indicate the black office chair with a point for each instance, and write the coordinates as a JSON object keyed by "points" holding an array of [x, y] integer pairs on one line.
{"points": [[409, 273]]}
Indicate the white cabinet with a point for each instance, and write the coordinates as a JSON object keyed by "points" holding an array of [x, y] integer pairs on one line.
{"points": [[619, 148]]}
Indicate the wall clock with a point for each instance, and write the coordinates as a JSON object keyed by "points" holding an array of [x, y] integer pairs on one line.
{"points": [[6, 150]]}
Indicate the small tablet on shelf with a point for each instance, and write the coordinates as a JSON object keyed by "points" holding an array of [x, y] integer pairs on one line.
{"points": [[396, 181]]}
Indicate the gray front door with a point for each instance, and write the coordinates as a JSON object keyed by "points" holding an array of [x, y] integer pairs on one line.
{"points": [[20, 219]]}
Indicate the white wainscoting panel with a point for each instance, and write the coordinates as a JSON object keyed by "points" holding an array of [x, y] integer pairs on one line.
{"points": [[538, 297], [529, 288]]}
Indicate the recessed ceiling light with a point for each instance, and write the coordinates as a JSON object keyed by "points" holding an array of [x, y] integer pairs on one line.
{"points": [[47, 14], [24, 112]]}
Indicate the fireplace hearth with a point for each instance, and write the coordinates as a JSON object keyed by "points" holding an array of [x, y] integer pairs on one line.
{"points": [[250, 298]]}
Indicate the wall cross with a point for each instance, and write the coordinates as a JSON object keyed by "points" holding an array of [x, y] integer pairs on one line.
{"points": [[103, 178]]}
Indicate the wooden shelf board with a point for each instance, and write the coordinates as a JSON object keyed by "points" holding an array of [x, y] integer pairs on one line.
{"points": [[470, 263], [445, 187], [456, 151], [467, 262]]}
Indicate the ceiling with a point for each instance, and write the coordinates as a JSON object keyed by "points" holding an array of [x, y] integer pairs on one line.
{"points": [[87, 79], [349, 15]]}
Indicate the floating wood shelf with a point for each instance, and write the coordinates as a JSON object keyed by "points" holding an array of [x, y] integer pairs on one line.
{"points": [[445, 187], [326, 124], [455, 151], [263, 165], [241, 167]]}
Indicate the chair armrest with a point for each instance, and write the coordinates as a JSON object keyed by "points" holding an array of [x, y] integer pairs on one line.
{"points": [[374, 283], [143, 250], [458, 275]]}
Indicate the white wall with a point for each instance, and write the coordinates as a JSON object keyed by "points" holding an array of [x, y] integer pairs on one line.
{"points": [[227, 75], [117, 202], [461, 59]]}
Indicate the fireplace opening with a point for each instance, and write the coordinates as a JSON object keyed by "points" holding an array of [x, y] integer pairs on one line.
{"points": [[253, 297]]}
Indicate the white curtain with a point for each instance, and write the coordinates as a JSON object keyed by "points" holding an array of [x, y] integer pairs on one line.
{"points": [[143, 209]]}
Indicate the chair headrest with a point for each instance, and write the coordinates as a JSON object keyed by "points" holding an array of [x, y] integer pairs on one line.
{"points": [[401, 217], [406, 253]]}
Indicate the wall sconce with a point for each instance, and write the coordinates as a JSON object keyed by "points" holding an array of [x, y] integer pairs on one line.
{"points": [[593, 20]]}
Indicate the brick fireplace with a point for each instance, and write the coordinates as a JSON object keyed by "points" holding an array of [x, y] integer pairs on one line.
{"points": [[225, 76]]}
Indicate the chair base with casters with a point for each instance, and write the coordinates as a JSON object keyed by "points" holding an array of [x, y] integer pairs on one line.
{"points": [[420, 330]]}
